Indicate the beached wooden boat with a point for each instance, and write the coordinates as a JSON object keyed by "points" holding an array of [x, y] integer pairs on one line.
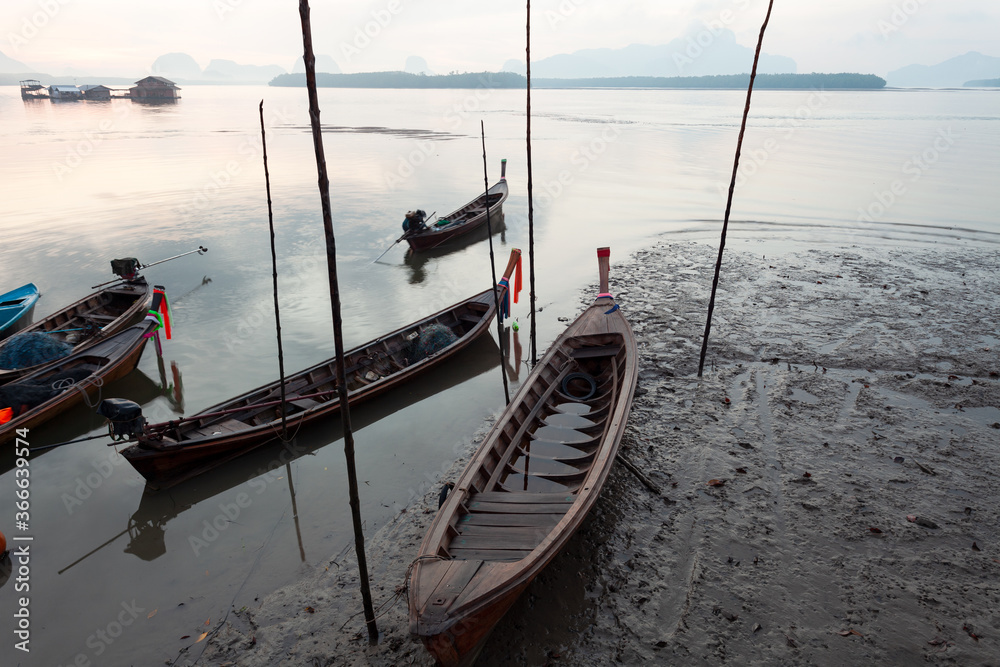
{"points": [[529, 486], [16, 307], [88, 321], [42, 395], [463, 220], [166, 454]]}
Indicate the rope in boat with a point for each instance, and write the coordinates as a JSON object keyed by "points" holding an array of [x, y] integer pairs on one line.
{"points": [[81, 386]]}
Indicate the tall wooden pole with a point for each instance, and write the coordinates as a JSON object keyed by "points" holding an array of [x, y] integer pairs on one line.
{"points": [[493, 268], [531, 205], [732, 188], [331, 260], [274, 275]]}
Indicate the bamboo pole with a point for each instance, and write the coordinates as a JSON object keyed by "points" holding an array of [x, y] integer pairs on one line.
{"points": [[493, 269], [732, 188], [331, 259], [531, 205], [274, 277]]}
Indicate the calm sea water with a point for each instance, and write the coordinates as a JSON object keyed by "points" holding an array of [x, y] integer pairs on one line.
{"points": [[123, 577]]}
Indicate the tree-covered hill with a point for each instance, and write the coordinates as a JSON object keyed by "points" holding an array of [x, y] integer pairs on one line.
{"points": [[511, 80]]}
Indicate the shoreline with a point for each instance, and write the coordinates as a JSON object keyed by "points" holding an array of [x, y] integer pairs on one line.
{"points": [[851, 409]]}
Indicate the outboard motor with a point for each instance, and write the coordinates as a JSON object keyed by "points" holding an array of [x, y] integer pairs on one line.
{"points": [[127, 267], [124, 417]]}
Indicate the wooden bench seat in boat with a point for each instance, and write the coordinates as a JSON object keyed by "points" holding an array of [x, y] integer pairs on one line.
{"points": [[502, 526], [227, 426]]}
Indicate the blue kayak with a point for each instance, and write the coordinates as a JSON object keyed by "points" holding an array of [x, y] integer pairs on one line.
{"points": [[16, 307]]}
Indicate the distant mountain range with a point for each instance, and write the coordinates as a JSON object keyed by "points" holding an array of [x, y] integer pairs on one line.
{"points": [[182, 68], [952, 73], [698, 54], [515, 80], [704, 53], [11, 66]]}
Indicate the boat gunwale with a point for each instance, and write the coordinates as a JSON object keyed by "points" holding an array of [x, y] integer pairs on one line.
{"points": [[515, 575], [141, 303], [432, 237], [108, 367], [224, 447], [16, 304]]}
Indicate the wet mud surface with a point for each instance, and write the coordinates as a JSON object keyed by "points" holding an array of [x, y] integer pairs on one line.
{"points": [[829, 486]]}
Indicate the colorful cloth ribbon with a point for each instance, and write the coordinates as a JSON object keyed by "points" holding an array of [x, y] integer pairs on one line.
{"points": [[162, 316], [517, 278], [504, 299]]}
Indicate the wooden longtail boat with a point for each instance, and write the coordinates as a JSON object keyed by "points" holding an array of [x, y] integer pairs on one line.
{"points": [[82, 373], [16, 307], [462, 220], [88, 321], [529, 486], [168, 453]]}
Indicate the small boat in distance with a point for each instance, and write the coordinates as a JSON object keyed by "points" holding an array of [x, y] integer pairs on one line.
{"points": [[529, 486], [16, 307], [42, 395], [169, 453], [461, 221]]}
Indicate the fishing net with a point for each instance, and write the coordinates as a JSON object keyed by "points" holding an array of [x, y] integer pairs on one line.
{"points": [[30, 349], [433, 338], [33, 393]]}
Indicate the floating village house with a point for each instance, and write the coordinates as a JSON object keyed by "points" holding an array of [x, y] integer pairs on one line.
{"points": [[96, 92], [154, 89], [60, 92], [32, 89]]}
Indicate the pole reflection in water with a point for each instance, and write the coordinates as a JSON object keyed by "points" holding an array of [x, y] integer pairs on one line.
{"points": [[295, 511], [147, 525], [417, 261]]}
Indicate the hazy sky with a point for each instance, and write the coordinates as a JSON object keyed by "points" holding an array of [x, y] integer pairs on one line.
{"points": [[123, 37]]}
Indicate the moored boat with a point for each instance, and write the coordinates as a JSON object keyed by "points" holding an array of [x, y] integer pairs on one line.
{"points": [[463, 220], [81, 324], [168, 453], [16, 307], [529, 486], [40, 396]]}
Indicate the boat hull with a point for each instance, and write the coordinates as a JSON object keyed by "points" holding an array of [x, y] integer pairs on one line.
{"points": [[529, 486], [172, 454], [104, 313], [460, 644], [110, 360], [16, 309], [464, 220]]}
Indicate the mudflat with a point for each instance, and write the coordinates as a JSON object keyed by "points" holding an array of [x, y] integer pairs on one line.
{"points": [[828, 488]]}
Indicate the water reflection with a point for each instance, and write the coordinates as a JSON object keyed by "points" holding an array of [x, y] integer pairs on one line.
{"points": [[417, 261], [512, 346], [146, 528], [79, 420], [405, 133]]}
